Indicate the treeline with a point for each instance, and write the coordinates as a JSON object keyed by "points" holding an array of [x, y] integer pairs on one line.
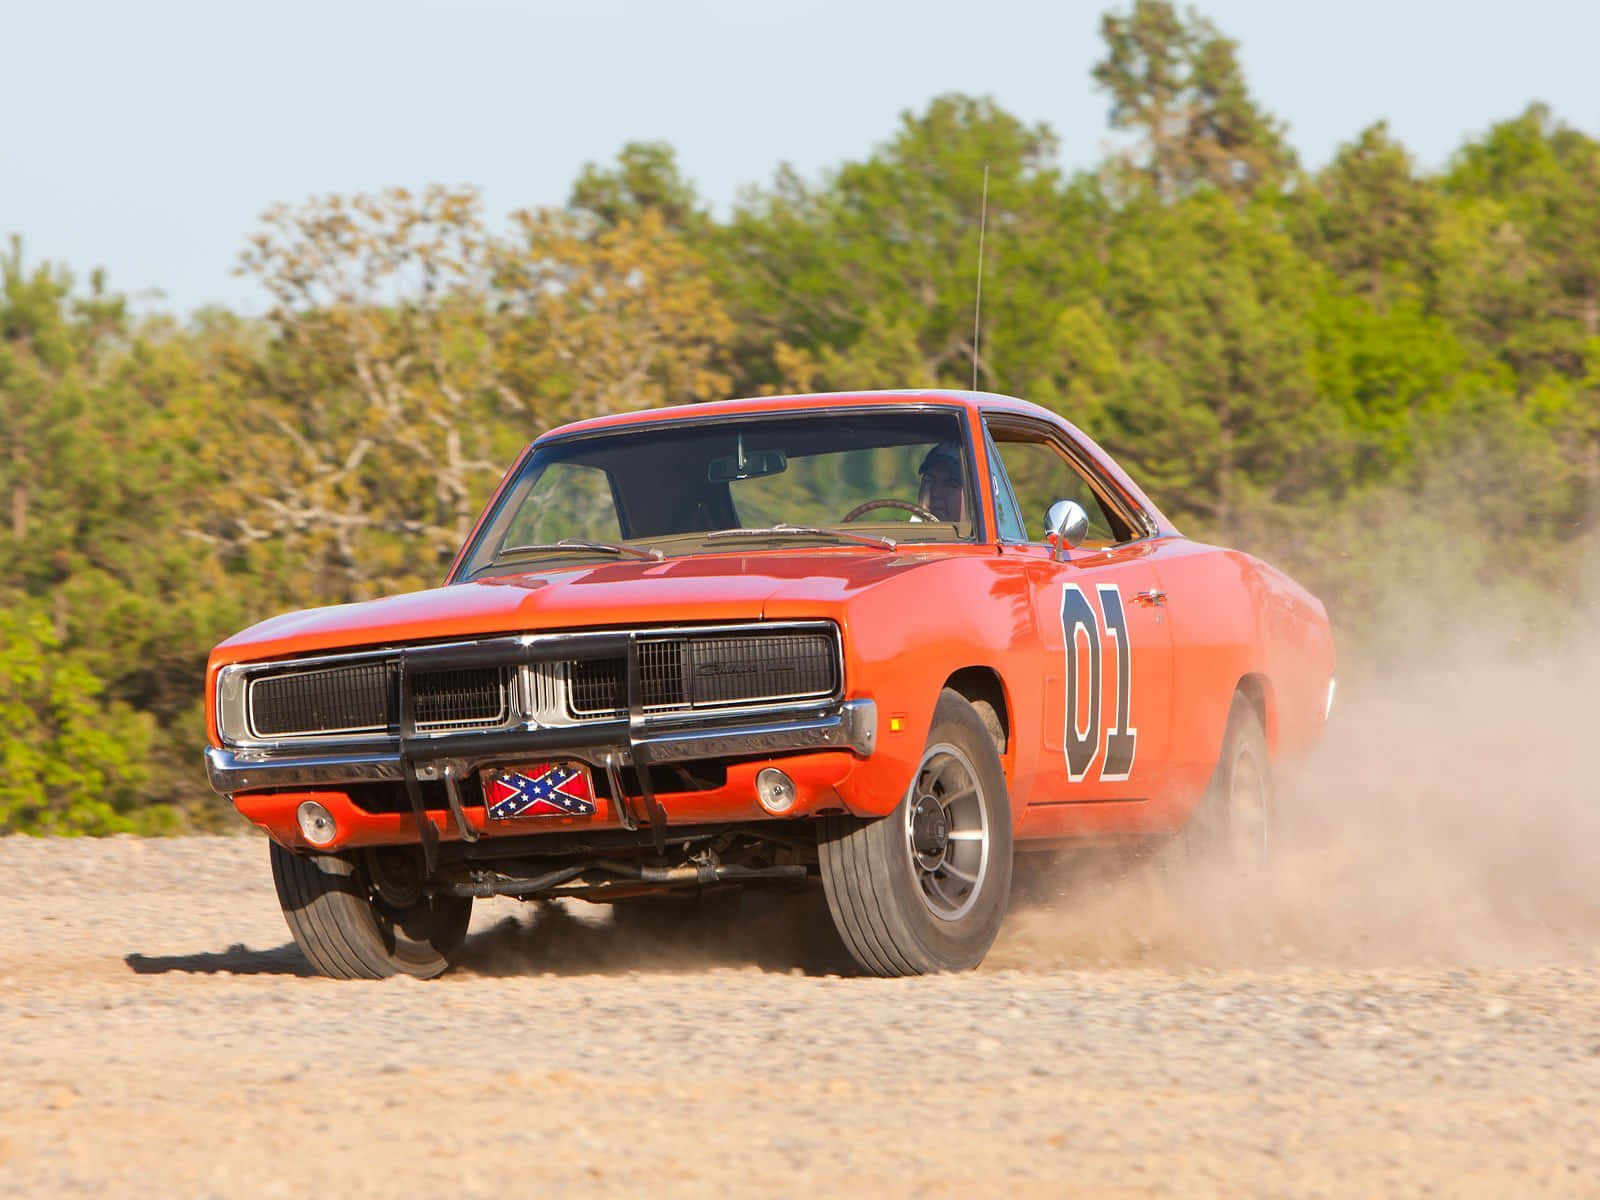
{"points": [[1369, 372]]}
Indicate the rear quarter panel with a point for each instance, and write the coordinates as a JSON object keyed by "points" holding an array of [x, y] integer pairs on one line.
{"points": [[1235, 618]]}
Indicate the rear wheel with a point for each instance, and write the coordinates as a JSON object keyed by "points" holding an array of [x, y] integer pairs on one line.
{"points": [[367, 918], [925, 888], [1234, 823]]}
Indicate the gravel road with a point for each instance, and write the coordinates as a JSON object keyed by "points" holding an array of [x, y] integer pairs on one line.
{"points": [[160, 1034]]}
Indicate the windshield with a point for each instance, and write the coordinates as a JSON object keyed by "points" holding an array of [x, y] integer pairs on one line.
{"points": [[840, 477]]}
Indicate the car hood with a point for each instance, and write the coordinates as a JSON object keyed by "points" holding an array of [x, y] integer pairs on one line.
{"points": [[703, 589]]}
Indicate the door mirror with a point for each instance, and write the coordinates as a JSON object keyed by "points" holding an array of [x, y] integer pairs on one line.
{"points": [[1067, 523]]}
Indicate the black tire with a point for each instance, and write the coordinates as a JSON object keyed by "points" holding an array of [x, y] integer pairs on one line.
{"points": [[1234, 825], [347, 931], [891, 881]]}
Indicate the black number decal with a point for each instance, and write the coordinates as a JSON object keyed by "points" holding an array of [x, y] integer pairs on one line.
{"points": [[1079, 619], [1120, 740], [1082, 744]]}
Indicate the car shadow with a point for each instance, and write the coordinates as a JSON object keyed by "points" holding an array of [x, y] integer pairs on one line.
{"points": [[779, 933], [237, 959]]}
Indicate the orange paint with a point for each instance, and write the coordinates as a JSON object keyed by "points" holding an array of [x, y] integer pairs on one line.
{"points": [[911, 619]]}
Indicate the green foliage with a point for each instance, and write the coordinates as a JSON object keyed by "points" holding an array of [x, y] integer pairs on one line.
{"points": [[868, 280], [72, 761], [645, 179], [1176, 83], [1384, 379]]}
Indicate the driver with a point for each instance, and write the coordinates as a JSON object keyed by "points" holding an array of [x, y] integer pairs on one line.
{"points": [[943, 491]]}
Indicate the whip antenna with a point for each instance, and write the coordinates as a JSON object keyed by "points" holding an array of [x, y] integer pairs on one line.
{"points": [[977, 301]]}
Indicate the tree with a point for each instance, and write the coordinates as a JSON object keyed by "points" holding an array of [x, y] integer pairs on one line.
{"points": [[645, 179], [103, 418], [1531, 187], [1212, 397], [1373, 221], [593, 319], [414, 350], [70, 761], [869, 280], [1521, 274], [1175, 82], [376, 417]]}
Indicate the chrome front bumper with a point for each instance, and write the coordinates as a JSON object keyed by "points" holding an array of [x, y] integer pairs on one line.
{"points": [[852, 725]]}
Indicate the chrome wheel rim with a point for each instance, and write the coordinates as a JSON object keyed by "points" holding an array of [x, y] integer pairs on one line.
{"points": [[947, 832]]}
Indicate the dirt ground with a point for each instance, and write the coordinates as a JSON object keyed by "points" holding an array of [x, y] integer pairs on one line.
{"points": [[160, 1034], [1408, 1005]]}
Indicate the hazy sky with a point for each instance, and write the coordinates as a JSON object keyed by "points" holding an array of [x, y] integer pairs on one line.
{"points": [[147, 137]]}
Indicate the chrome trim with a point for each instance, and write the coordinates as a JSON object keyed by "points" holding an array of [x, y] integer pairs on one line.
{"points": [[773, 702], [526, 701], [852, 726], [232, 710], [1085, 463], [801, 704], [501, 719], [230, 771]]}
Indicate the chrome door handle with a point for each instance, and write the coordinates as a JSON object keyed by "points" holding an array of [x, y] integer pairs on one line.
{"points": [[1154, 597]]}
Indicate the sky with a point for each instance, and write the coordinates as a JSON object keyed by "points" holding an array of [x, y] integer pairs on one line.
{"points": [[147, 138]]}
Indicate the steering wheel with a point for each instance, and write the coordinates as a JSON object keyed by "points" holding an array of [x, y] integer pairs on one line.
{"points": [[909, 507]]}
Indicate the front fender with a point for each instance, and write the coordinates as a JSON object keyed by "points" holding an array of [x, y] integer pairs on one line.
{"points": [[905, 636]]}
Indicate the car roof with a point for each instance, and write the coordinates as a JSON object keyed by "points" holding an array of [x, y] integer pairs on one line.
{"points": [[791, 403]]}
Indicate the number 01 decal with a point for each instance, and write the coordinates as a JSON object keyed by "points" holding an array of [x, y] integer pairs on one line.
{"points": [[1081, 627]]}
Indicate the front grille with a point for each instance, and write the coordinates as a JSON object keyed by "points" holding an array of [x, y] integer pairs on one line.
{"points": [[365, 698], [714, 671], [661, 677], [599, 687], [353, 699], [679, 673], [734, 670], [444, 699]]}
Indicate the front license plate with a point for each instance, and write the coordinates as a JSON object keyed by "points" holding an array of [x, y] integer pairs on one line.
{"points": [[547, 789]]}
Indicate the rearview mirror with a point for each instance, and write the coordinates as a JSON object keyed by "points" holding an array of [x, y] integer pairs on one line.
{"points": [[747, 464], [1067, 523]]}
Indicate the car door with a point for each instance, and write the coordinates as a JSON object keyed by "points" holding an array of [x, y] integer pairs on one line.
{"points": [[1104, 644]]}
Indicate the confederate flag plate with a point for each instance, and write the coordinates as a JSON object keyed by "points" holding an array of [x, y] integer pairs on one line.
{"points": [[548, 789]]}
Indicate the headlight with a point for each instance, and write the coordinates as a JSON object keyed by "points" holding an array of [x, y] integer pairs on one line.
{"points": [[230, 704]]}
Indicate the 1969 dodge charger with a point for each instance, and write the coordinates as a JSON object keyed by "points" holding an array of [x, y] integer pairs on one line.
{"points": [[885, 640]]}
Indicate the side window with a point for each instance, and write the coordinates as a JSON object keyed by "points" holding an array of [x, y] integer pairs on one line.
{"points": [[1008, 521], [567, 500], [1040, 475]]}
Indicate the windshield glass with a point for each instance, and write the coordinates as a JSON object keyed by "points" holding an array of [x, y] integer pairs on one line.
{"points": [[839, 477]]}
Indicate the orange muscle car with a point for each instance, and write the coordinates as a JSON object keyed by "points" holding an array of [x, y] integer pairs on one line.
{"points": [[881, 639]]}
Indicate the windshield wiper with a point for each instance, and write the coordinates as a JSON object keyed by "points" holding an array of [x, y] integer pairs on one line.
{"points": [[616, 548], [786, 530]]}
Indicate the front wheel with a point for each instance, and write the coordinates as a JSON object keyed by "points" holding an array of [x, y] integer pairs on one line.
{"points": [[367, 919], [925, 888]]}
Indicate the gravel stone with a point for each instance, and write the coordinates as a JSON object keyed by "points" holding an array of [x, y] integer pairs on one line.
{"points": [[160, 1034]]}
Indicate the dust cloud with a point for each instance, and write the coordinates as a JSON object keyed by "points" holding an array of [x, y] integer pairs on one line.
{"points": [[1451, 817], [777, 930]]}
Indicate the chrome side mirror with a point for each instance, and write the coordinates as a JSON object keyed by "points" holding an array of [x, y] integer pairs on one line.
{"points": [[1067, 523]]}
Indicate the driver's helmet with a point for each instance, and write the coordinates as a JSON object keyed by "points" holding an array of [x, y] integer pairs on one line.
{"points": [[943, 490]]}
